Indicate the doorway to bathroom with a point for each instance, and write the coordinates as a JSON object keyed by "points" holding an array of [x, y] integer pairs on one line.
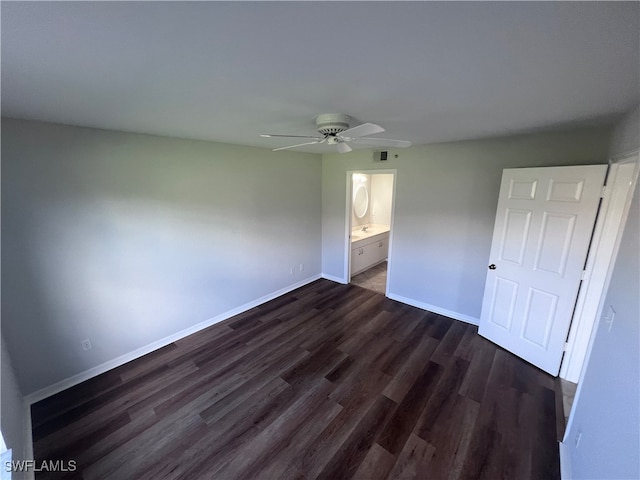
{"points": [[370, 227]]}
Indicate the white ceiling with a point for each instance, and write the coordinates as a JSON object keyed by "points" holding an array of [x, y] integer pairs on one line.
{"points": [[228, 71]]}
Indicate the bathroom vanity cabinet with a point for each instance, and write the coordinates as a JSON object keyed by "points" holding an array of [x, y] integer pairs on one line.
{"points": [[369, 251]]}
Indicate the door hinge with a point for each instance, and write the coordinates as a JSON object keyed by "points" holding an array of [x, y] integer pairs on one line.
{"points": [[583, 275], [566, 346], [604, 190]]}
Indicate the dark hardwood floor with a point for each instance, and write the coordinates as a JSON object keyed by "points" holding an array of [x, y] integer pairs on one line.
{"points": [[329, 381]]}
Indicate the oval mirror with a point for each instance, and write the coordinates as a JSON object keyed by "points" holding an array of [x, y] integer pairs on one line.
{"points": [[360, 201]]}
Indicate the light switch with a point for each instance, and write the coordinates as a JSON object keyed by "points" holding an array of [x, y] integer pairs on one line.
{"points": [[609, 315]]}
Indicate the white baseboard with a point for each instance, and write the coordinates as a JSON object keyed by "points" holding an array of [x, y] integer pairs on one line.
{"points": [[333, 278], [565, 465], [415, 303], [432, 308], [121, 360]]}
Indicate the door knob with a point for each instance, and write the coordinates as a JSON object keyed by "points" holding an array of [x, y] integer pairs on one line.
{"points": [[492, 266]]}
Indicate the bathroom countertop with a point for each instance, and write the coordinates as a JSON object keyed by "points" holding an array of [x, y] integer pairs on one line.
{"points": [[372, 231]]}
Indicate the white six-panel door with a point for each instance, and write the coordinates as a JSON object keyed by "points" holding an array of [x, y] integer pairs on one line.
{"points": [[541, 237]]}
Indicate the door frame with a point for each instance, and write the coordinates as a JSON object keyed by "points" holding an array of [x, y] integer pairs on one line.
{"points": [[348, 226], [616, 201]]}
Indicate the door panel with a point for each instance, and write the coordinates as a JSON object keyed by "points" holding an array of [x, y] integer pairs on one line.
{"points": [[555, 239], [539, 314], [522, 189], [541, 236], [516, 231], [503, 303]]}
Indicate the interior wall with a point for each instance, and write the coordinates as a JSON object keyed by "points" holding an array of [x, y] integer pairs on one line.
{"points": [[625, 135], [605, 414], [127, 239], [381, 198], [445, 202]]}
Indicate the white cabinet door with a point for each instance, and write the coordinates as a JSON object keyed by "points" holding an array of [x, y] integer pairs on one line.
{"points": [[541, 237], [382, 249], [358, 260], [371, 253]]}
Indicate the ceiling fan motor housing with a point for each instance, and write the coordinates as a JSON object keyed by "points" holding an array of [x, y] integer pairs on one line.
{"points": [[332, 123]]}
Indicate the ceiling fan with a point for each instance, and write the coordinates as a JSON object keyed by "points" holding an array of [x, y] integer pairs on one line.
{"points": [[334, 128]]}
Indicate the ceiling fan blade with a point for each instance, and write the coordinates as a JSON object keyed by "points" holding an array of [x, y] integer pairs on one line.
{"points": [[343, 147], [362, 130], [381, 142], [299, 145], [269, 135]]}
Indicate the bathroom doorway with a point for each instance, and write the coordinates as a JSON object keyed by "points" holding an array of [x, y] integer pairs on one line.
{"points": [[371, 197]]}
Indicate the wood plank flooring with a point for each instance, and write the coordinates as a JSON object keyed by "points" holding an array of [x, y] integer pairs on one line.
{"points": [[327, 382]]}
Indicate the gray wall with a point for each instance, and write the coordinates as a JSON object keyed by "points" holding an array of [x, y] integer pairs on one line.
{"points": [[606, 410], [625, 135], [446, 197], [126, 239]]}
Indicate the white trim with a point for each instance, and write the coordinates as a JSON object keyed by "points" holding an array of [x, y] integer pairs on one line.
{"points": [[432, 308], [600, 263], [598, 318], [348, 226], [121, 360], [565, 463], [391, 230], [333, 278]]}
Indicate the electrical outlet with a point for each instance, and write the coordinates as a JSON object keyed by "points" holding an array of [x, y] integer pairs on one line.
{"points": [[302, 267], [609, 316], [291, 270], [577, 439], [86, 344]]}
